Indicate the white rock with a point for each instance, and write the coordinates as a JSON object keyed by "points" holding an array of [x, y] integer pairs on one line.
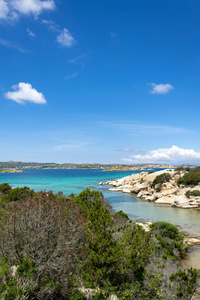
{"points": [[126, 191], [139, 187], [193, 241], [117, 189], [150, 198], [165, 200]]}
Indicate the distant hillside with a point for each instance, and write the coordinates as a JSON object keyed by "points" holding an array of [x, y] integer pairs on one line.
{"points": [[112, 167]]}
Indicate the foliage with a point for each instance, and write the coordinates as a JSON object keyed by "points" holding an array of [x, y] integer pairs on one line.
{"points": [[51, 233], [5, 188], [50, 246], [187, 169], [195, 193], [17, 194], [151, 172], [167, 230], [169, 239], [191, 178], [185, 282], [165, 177], [179, 169]]}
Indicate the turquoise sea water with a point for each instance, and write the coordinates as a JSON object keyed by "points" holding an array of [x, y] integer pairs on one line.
{"points": [[75, 180]]}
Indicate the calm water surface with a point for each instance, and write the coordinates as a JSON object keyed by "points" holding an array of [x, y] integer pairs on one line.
{"points": [[75, 180]]}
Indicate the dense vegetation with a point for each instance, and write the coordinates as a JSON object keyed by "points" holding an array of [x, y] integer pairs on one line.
{"points": [[160, 179], [191, 178], [53, 247]]}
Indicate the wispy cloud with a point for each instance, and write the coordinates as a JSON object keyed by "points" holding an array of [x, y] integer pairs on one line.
{"points": [[167, 155], [30, 33], [71, 76], [79, 58], [24, 92], [11, 44], [51, 25], [131, 149], [142, 129], [160, 89], [70, 146], [13, 9]]}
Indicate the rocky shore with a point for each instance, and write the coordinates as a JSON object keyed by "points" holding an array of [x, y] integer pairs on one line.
{"points": [[170, 192]]}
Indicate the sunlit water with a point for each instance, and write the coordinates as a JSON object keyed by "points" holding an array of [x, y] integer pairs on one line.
{"points": [[75, 180]]}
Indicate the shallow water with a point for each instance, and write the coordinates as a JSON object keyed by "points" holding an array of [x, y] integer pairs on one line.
{"points": [[193, 258], [75, 180]]}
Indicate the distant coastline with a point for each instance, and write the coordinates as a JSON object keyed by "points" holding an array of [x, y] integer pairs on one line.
{"points": [[104, 167]]}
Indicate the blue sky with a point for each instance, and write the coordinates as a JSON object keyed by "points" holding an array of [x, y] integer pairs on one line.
{"points": [[109, 81]]}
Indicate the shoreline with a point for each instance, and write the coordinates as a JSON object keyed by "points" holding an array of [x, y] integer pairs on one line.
{"points": [[146, 186]]}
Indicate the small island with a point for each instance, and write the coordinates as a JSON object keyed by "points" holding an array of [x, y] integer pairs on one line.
{"points": [[11, 171]]}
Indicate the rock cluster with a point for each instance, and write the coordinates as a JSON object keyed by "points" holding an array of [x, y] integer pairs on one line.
{"points": [[166, 193]]}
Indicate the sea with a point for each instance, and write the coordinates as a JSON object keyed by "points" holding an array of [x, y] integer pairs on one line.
{"points": [[75, 180]]}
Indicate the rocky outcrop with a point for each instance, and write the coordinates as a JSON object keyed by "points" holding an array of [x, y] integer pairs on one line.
{"points": [[169, 193]]}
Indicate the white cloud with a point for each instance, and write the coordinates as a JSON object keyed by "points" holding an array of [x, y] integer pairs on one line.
{"points": [[167, 155], [25, 92], [71, 76], [4, 9], [131, 149], [11, 44], [51, 25], [78, 58], [30, 33], [161, 88], [12, 9], [65, 38]]}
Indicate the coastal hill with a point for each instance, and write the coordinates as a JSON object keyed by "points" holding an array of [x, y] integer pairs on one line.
{"points": [[107, 167]]}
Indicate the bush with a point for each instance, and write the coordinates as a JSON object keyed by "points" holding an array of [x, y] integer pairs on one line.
{"points": [[5, 188], [195, 193], [17, 194], [165, 177], [179, 169], [167, 230], [48, 234], [191, 178], [169, 238], [151, 172]]}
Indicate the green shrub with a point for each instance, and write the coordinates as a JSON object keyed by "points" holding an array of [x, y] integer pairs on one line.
{"points": [[151, 172], [18, 194], [165, 177], [179, 169], [167, 230], [5, 188], [194, 193], [169, 239], [187, 194], [191, 178]]}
